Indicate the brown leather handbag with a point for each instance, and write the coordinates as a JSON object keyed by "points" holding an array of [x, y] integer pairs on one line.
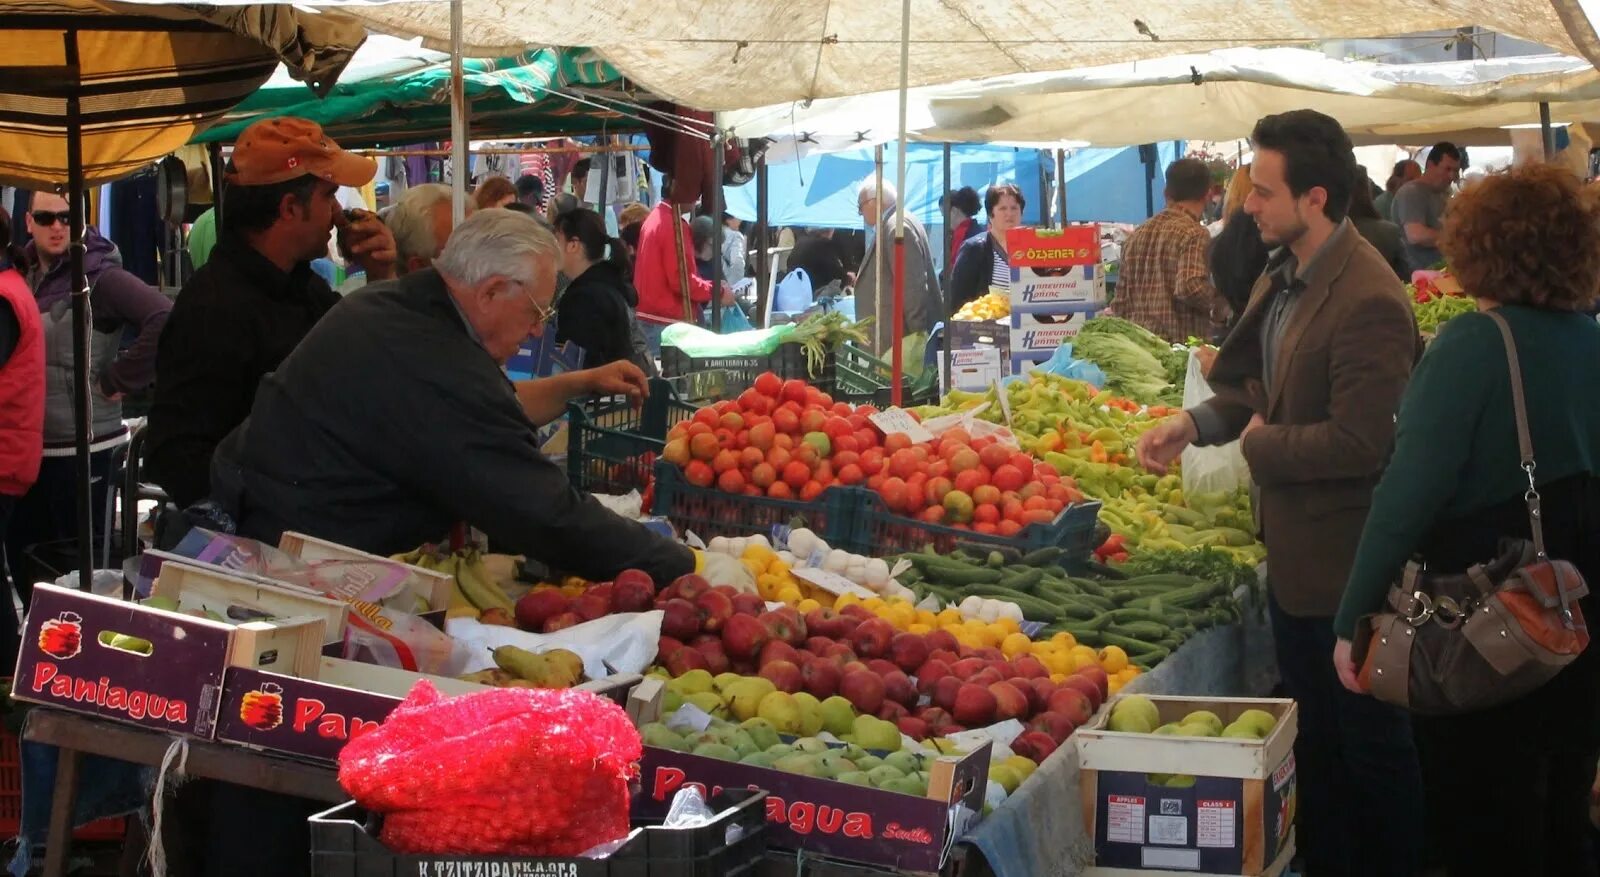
{"points": [[1463, 642]]}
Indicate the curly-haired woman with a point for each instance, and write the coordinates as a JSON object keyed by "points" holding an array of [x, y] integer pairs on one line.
{"points": [[1508, 786]]}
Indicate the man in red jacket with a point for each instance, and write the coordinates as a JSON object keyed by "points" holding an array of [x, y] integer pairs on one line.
{"points": [[660, 268]]}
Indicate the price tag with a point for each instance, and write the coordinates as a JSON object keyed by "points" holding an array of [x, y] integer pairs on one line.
{"points": [[831, 582], [897, 420], [689, 718]]}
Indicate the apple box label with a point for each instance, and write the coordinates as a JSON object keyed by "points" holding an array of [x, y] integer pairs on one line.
{"points": [[1214, 825], [1125, 819], [1172, 831]]}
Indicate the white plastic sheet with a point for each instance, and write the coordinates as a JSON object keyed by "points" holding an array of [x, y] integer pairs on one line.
{"points": [[1206, 470]]}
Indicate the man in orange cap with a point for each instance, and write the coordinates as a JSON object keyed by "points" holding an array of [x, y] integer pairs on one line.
{"points": [[256, 297]]}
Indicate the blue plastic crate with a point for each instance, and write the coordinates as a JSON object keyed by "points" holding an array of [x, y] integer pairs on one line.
{"points": [[878, 532], [710, 512], [611, 445]]}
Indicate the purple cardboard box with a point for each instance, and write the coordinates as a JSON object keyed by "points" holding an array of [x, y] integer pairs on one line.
{"points": [[67, 661], [829, 818], [302, 717]]}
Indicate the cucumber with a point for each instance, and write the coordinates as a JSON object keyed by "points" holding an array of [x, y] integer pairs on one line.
{"points": [[1026, 581], [1150, 631], [1041, 556]]}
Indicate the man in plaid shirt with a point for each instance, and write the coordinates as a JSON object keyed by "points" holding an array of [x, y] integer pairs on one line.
{"points": [[1165, 284]]}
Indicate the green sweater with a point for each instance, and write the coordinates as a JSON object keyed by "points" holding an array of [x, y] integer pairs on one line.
{"points": [[1456, 442]]}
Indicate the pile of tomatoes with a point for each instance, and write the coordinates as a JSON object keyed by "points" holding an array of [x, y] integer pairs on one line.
{"points": [[786, 439]]}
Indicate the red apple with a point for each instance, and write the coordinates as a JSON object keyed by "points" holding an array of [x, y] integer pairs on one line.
{"points": [[665, 646], [856, 667], [975, 705], [967, 667], [1028, 666], [590, 605], [684, 660], [934, 716], [882, 666], [871, 639], [818, 645], [1056, 725], [986, 677], [1071, 703], [1096, 674], [715, 609], [1085, 686], [942, 639], [1009, 701], [634, 577], [908, 650], [825, 622], [989, 653], [716, 659], [945, 691], [821, 678], [536, 606], [778, 650], [1044, 688], [784, 675], [841, 654], [748, 604], [633, 592], [897, 687], [858, 612], [913, 727], [948, 656], [744, 636], [690, 586], [864, 690], [1035, 699], [786, 624], [1035, 745], [680, 620], [892, 712], [929, 675]]}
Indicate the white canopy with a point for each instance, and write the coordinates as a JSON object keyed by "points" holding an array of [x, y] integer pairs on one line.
{"points": [[1213, 96], [732, 54]]}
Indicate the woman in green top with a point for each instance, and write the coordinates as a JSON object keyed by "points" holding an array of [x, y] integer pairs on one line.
{"points": [[1507, 787]]}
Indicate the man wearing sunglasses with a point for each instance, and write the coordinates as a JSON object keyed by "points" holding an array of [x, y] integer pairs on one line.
{"points": [[122, 305]]}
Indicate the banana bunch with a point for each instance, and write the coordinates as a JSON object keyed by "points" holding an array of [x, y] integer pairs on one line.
{"points": [[519, 668], [477, 592], [992, 305]]}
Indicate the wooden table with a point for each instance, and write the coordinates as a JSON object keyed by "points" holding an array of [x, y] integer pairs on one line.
{"points": [[76, 735]]}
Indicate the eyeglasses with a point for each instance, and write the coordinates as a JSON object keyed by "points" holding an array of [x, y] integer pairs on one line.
{"points": [[542, 313], [48, 218]]}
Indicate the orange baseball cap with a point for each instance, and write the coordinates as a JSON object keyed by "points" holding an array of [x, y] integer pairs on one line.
{"points": [[278, 150]]}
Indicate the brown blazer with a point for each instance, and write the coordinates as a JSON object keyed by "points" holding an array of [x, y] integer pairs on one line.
{"points": [[1342, 364]]}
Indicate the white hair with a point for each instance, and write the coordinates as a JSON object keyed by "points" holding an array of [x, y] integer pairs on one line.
{"points": [[869, 186], [495, 243], [411, 222]]}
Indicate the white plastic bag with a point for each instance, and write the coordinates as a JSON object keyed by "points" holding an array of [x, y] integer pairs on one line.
{"points": [[1206, 470], [794, 293], [624, 642]]}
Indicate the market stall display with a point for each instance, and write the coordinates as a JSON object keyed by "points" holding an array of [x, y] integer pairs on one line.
{"points": [[1436, 297]]}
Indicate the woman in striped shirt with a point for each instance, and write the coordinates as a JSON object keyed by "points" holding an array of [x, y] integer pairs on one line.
{"points": [[982, 261]]}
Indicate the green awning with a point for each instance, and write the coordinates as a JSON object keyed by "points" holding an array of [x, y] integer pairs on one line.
{"points": [[525, 95]]}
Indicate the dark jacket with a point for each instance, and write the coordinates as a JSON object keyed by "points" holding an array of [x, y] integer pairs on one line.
{"points": [[390, 423], [1386, 238], [1237, 258], [235, 320], [596, 313], [1341, 365], [974, 269], [118, 301], [822, 258]]}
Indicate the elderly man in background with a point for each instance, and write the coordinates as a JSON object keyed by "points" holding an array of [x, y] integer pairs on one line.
{"points": [[420, 222], [923, 301]]}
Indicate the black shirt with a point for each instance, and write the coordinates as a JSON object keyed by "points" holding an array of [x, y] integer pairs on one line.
{"points": [[390, 423], [596, 313], [235, 321], [821, 257]]}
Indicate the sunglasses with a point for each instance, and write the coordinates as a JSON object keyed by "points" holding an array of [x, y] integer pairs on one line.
{"points": [[46, 218]]}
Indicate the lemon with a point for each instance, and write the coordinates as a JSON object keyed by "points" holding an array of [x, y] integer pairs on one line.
{"points": [[790, 594], [919, 629], [1113, 659], [808, 605], [1016, 644], [1064, 639], [844, 600]]}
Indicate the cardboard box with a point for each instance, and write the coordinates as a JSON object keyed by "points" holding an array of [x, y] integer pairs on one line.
{"points": [[70, 658], [1236, 816], [824, 817], [1035, 337], [1052, 267], [203, 586], [976, 354], [313, 716], [430, 586]]}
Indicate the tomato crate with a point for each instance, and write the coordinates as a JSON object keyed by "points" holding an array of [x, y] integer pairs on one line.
{"points": [[879, 532], [863, 379], [11, 798], [788, 361], [344, 843], [709, 512], [611, 445]]}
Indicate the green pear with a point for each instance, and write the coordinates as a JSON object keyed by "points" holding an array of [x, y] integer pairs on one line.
{"points": [[906, 786], [671, 702], [832, 763], [867, 762], [761, 733], [810, 745], [838, 716], [760, 759], [804, 764], [1204, 717], [1130, 722], [1137, 705], [708, 701], [855, 778], [1168, 728], [1181, 781], [1261, 720], [1241, 731], [1197, 730], [884, 773], [662, 737], [719, 751], [780, 750], [162, 602], [903, 761], [692, 682]]}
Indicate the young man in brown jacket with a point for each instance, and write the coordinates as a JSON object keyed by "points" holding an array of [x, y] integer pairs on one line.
{"points": [[1311, 378]]}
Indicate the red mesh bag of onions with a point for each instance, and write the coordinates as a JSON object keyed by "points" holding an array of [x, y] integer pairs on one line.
{"points": [[512, 771]]}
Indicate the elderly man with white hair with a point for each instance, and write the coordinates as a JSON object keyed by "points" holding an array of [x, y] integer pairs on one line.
{"points": [[420, 222], [393, 420], [924, 303]]}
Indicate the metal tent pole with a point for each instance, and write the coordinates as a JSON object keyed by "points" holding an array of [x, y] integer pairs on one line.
{"points": [[949, 233], [1061, 185], [716, 231], [763, 245], [80, 324], [877, 252], [897, 356], [458, 120], [1546, 131]]}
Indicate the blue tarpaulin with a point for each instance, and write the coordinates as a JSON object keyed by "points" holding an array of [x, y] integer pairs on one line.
{"points": [[819, 191]]}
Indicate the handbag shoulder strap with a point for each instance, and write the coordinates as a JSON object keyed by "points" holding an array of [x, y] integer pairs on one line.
{"points": [[1519, 404]]}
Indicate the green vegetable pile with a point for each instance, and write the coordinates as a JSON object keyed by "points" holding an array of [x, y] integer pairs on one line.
{"points": [[1436, 312], [1147, 616], [1138, 364]]}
